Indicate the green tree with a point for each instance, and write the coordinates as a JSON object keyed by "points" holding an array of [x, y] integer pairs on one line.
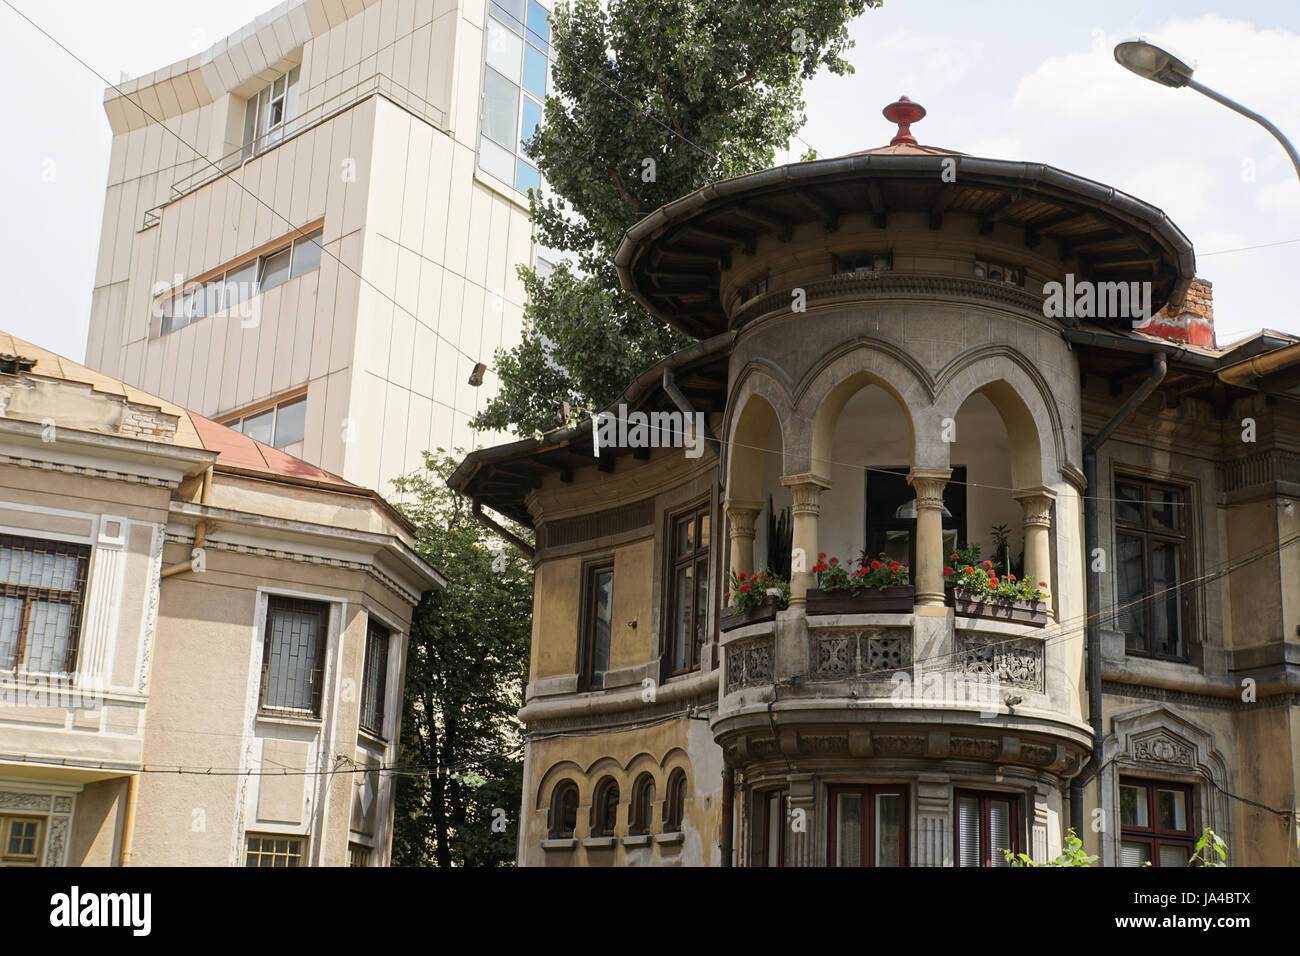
{"points": [[651, 99], [465, 673]]}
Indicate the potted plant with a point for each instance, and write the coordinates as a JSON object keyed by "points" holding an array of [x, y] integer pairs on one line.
{"points": [[876, 586], [979, 592], [754, 598]]}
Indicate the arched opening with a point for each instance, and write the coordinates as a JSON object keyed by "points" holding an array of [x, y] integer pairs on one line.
{"points": [[641, 816], [675, 805], [758, 505], [564, 810], [604, 809]]}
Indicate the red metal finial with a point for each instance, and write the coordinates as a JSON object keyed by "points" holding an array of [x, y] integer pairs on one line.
{"points": [[904, 113]]}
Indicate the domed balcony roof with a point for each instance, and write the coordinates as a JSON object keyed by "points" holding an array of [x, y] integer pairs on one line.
{"points": [[671, 261]]}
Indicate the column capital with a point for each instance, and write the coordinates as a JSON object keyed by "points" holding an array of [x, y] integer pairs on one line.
{"points": [[806, 489], [929, 484], [1037, 503], [740, 505]]}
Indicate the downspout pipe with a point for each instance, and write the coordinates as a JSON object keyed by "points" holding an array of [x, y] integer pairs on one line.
{"points": [[128, 819], [686, 408], [504, 532], [1092, 541], [200, 530], [727, 824]]}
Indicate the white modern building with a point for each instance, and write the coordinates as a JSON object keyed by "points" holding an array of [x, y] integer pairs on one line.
{"points": [[312, 228]]}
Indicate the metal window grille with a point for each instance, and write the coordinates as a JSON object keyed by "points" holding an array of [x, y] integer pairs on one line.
{"points": [[358, 854], [374, 680], [42, 592], [293, 656], [265, 849]]}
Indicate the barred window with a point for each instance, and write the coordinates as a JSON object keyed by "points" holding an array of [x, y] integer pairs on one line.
{"points": [[271, 849], [358, 854], [293, 656], [42, 591], [374, 680]]}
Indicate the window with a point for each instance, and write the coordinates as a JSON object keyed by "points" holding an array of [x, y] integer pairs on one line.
{"points": [[862, 262], [597, 624], [42, 588], [270, 849], [279, 426], [776, 806], [515, 78], [986, 825], [642, 815], [891, 513], [358, 854], [564, 810], [866, 827], [225, 290], [687, 600], [996, 272], [267, 115], [1152, 561], [675, 808], [374, 680], [1156, 823], [604, 812], [293, 656], [21, 840]]}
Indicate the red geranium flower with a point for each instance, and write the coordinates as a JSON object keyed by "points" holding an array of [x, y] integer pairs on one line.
{"points": [[969, 569], [744, 587], [947, 570], [988, 564], [876, 564], [835, 560], [993, 582], [743, 575], [893, 566], [1042, 584], [1011, 577], [822, 556], [952, 557]]}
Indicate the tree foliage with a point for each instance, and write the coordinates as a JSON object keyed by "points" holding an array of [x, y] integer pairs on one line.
{"points": [[465, 672], [651, 99]]}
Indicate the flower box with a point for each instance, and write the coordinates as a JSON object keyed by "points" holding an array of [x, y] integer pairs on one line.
{"points": [[890, 600], [971, 604], [732, 619]]}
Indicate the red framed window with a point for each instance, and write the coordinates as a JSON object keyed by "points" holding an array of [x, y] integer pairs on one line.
{"points": [[868, 826], [1157, 823], [985, 824]]}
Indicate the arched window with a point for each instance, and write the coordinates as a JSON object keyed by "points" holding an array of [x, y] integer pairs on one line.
{"points": [[675, 808], [604, 810], [564, 810], [642, 815]]}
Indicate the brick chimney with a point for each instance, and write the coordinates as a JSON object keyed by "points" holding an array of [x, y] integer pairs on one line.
{"points": [[1192, 324]]}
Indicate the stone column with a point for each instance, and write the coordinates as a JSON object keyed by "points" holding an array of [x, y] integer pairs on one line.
{"points": [[806, 491], [1037, 503], [801, 825], [740, 521], [928, 579]]}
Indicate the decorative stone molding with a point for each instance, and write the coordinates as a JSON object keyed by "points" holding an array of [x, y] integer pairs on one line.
{"points": [[87, 472], [806, 490], [1018, 663], [1154, 742], [24, 801], [877, 652], [1037, 505], [855, 287], [749, 663], [151, 614]]}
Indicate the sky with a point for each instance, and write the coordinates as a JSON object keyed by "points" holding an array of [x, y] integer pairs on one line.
{"points": [[1008, 79]]}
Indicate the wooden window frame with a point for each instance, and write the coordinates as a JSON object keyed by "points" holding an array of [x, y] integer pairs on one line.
{"points": [[986, 849], [298, 856], [556, 829], [868, 794], [641, 812], [675, 812], [1147, 532], [6, 822], [1152, 835], [322, 608], [700, 559], [783, 802], [75, 596], [373, 724], [599, 806], [591, 571]]}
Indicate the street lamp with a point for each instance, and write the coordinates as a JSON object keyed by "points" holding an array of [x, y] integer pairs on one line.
{"points": [[1160, 66]]}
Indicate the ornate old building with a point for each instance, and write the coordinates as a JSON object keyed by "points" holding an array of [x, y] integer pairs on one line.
{"points": [[911, 351]]}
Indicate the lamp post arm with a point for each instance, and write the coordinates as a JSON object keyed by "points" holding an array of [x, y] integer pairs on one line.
{"points": [[1250, 114]]}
